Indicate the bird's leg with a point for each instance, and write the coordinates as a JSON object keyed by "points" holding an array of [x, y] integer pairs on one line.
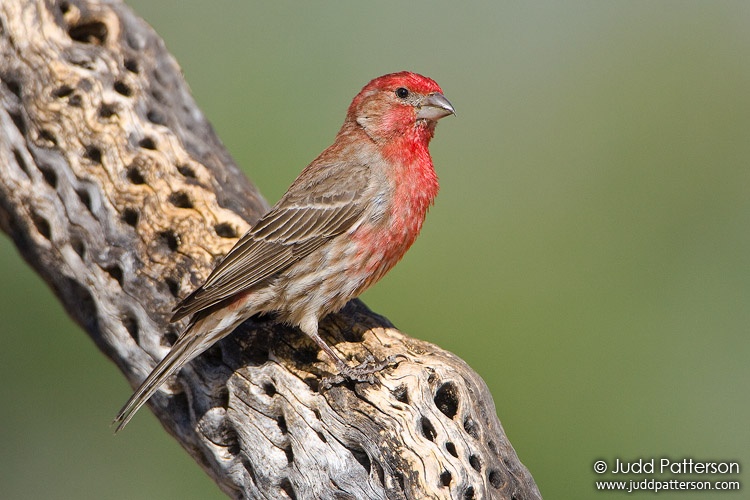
{"points": [[361, 373]]}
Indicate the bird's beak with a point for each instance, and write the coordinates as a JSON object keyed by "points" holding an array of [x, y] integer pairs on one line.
{"points": [[434, 107]]}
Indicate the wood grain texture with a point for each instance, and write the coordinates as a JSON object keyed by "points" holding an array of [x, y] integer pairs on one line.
{"points": [[114, 187]]}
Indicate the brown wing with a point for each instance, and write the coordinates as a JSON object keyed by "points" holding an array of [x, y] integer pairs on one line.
{"points": [[307, 216]]}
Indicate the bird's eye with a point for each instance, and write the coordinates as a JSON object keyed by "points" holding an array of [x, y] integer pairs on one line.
{"points": [[402, 92]]}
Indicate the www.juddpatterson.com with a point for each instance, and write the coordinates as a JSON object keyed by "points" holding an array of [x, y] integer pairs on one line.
{"points": [[656, 485], [686, 466]]}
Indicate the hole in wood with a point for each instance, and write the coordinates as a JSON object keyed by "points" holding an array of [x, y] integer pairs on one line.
{"points": [[232, 442], [13, 86], [281, 422], [85, 198], [155, 117], [475, 463], [171, 239], [428, 430], [289, 453], [173, 287], [234, 450], [79, 247], [186, 171], [446, 478], [41, 224], [75, 100], [170, 337], [107, 110], [19, 122], [495, 478], [49, 175], [147, 143], [471, 427], [493, 448], [225, 230], [94, 32], [85, 311], [122, 88], [131, 325], [62, 91], [312, 383], [469, 493], [451, 448], [93, 153], [401, 394], [47, 137], [399, 479], [180, 199], [362, 457], [288, 489], [116, 272], [21, 162], [134, 175], [379, 472], [130, 217], [269, 389], [446, 399], [131, 65]]}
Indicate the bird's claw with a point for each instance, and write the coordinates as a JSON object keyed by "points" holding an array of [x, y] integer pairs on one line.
{"points": [[364, 372]]}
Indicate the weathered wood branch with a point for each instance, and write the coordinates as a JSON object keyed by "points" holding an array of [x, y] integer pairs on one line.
{"points": [[114, 187]]}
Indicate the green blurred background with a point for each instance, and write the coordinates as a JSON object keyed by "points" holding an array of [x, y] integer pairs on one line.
{"points": [[588, 255]]}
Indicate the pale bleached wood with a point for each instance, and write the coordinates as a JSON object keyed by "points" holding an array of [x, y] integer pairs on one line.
{"points": [[116, 190]]}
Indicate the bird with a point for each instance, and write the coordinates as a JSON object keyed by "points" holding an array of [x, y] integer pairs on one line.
{"points": [[345, 221]]}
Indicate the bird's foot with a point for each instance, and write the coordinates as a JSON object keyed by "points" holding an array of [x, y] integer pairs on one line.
{"points": [[364, 372]]}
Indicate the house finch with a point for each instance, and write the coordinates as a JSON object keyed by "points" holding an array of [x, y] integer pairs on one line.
{"points": [[344, 222]]}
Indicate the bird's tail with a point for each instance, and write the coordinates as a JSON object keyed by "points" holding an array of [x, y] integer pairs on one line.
{"points": [[197, 337]]}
